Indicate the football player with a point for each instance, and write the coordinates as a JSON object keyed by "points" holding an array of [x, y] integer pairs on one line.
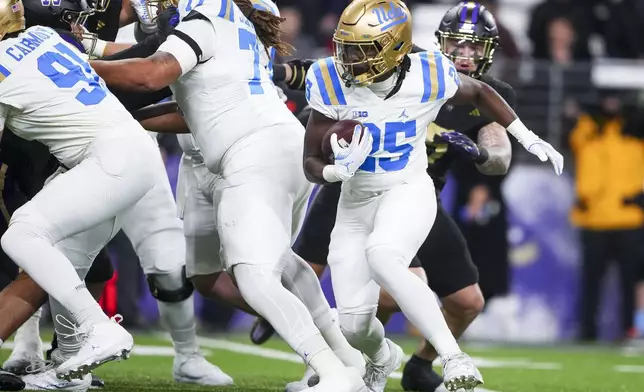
{"points": [[387, 204], [249, 138], [175, 303], [112, 165]]}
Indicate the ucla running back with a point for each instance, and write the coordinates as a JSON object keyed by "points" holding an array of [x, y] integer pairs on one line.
{"points": [[384, 214]]}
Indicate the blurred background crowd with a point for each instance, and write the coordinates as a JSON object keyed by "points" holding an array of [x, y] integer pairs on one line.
{"points": [[570, 262]]}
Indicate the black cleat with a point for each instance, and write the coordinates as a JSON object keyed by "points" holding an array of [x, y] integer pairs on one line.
{"points": [[10, 382], [261, 331], [419, 376], [97, 382]]}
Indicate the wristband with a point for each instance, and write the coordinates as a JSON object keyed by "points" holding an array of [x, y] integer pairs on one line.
{"points": [[521, 132], [99, 48], [329, 174]]}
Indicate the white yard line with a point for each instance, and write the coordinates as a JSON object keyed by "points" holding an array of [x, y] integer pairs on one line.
{"points": [[629, 369], [151, 351]]}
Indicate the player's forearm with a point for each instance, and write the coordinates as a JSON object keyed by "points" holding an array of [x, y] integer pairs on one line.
{"points": [[494, 140], [132, 74], [167, 123], [156, 110], [314, 170], [112, 48]]}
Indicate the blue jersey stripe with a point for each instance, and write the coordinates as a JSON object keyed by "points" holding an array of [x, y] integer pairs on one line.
{"points": [[335, 81], [441, 75], [224, 7], [5, 72], [320, 81], [427, 84]]}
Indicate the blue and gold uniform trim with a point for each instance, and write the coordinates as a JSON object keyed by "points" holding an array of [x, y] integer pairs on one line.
{"points": [[328, 82], [433, 76], [4, 73], [227, 10]]}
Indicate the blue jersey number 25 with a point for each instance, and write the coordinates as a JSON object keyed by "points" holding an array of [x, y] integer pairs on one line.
{"points": [[78, 70], [390, 134], [248, 41]]}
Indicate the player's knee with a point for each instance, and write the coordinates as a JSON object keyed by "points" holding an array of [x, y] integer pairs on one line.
{"points": [[381, 258], [254, 281], [170, 287], [19, 233], [355, 327], [466, 303]]}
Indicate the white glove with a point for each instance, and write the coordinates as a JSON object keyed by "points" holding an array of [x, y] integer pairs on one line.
{"points": [[94, 46], [348, 159], [544, 151], [535, 146]]}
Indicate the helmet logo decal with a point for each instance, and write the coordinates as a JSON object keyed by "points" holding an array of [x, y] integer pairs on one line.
{"points": [[47, 3], [393, 17]]}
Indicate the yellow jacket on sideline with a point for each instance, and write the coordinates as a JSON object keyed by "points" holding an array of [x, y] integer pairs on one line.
{"points": [[610, 168]]}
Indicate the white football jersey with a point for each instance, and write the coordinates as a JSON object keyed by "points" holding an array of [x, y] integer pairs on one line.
{"points": [[229, 93], [398, 124], [49, 93]]}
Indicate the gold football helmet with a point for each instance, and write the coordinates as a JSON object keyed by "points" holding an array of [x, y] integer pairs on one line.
{"points": [[156, 6], [373, 37], [12, 17]]}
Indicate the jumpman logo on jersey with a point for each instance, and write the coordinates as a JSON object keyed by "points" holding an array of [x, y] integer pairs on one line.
{"points": [[404, 114]]}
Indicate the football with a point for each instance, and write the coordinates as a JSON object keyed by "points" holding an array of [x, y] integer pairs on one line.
{"points": [[344, 130]]}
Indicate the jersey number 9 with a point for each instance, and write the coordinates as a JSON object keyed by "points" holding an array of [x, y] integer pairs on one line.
{"points": [[78, 70]]}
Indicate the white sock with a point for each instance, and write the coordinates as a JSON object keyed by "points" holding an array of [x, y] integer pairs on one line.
{"points": [[1, 342], [30, 248], [179, 319], [27, 337], [414, 297], [301, 280], [262, 289], [68, 341]]}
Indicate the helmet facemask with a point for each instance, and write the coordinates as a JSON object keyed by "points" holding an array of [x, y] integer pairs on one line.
{"points": [[473, 53], [155, 7], [360, 63]]}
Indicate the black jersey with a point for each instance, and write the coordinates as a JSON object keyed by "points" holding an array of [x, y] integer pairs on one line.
{"points": [[106, 24], [461, 118]]}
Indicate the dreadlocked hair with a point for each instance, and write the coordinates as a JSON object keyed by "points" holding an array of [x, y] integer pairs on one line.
{"points": [[267, 27]]}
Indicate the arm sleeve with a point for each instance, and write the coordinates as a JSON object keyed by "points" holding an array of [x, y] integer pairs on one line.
{"points": [[191, 42], [145, 48], [314, 95]]}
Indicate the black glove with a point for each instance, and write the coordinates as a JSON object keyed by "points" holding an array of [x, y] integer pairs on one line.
{"points": [[299, 67], [167, 20]]}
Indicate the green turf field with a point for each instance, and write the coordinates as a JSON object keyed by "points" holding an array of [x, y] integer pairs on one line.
{"points": [[269, 367]]}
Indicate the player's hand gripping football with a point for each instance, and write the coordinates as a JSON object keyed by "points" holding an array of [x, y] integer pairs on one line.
{"points": [[349, 158], [464, 144]]}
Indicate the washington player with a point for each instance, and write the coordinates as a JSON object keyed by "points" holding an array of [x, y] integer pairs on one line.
{"points": [[383, 213], [251, 140]]}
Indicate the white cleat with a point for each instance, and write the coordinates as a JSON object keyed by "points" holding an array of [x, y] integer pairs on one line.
{"points": [[20, 360], [346, 380], [47, 381], [459, 372], [377, 373], [104, 342], [195, 369], [299, 386], [27, 350]]}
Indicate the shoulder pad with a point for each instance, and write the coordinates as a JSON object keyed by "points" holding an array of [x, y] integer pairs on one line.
{"points": [[323, 80]]}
